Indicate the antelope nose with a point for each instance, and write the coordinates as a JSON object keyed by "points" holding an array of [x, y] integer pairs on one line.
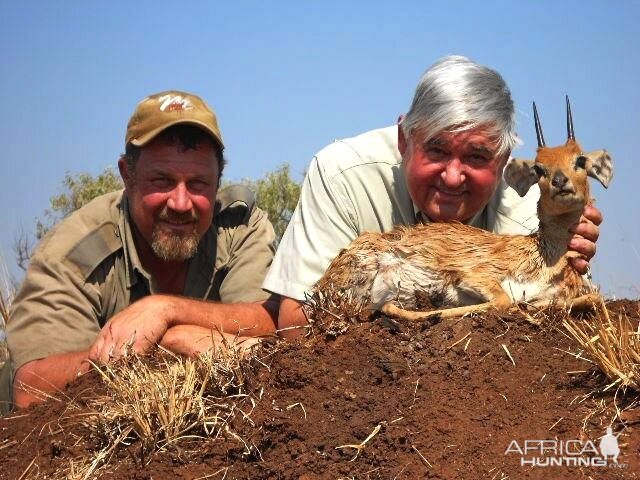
{"points": [[559, 180]]}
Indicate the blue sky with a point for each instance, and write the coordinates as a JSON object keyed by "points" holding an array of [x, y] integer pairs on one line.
{"points": [[286, 78]]}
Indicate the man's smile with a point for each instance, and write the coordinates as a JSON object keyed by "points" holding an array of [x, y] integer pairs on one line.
{"points": [[178, 225], [448, 193]]}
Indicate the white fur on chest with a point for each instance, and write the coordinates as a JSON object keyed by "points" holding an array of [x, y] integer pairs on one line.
{"points": [[528, 291]]}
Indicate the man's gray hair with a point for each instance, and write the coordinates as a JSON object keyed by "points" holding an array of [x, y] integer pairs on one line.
{"points": [[456, 94]]}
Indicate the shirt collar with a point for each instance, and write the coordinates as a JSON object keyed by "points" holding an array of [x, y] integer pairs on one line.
{"points": [[131, 259]]}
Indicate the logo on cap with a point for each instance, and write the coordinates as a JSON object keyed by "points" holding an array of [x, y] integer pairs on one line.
{"points": [[174, 103]]}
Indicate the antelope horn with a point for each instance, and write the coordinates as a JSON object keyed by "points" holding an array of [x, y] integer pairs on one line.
{"points": [[570, 134], [538, 126]]}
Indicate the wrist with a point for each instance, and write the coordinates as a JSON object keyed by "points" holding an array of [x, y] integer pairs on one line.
{"points": [[168, 309]]}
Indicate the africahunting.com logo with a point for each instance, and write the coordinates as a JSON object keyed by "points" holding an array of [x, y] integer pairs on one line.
{"points": [[568, 453]]}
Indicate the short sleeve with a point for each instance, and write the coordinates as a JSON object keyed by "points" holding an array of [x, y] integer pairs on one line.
{"points": [[55, 311], [250, 247], [322, 224]]}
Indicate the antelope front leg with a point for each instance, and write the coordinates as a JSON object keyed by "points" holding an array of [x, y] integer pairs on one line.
{"points": [[498, 300], [391, 310], [590, 301]]}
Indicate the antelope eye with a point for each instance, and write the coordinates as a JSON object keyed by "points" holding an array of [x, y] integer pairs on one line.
{"points": [[581, 162], [540, 170]]}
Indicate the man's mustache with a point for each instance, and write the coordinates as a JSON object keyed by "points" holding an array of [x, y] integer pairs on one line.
{"points": [[168, 215]]}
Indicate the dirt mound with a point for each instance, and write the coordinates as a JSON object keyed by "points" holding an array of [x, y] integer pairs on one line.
{"points": [[452, 400]]}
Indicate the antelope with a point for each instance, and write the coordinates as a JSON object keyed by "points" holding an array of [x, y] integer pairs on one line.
{"points": [[461, 269]]}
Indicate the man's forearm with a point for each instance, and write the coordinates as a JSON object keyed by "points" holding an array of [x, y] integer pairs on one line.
{"points": [[47, 375], [291, 319], [248, 319]]}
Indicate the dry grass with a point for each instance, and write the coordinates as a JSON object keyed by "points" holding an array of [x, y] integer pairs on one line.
{"points": [[6, 297], [155, 404], [612, 344], [4, 352]]}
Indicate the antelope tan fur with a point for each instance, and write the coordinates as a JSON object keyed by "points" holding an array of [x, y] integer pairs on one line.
{"points": [[456, 269]]}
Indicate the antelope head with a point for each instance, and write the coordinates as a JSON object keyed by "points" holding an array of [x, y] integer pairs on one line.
{"points": [[561, 172]]}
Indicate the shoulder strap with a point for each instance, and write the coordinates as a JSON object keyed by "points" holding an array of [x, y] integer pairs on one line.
{"points": [[235, 196], [89, 252]]}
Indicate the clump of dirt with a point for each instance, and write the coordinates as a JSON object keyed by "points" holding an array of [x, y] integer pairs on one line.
{"points": [[382, 400]]}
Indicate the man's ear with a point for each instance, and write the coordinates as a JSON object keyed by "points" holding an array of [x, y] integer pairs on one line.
{"points": [[402, 141], [599, 165], [520, 175], [503, 160], [124, 172]]}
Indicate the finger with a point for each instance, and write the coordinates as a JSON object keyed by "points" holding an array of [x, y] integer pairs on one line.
{"points": [[94, 351], [124, 346], [583, 246], [104, 340], [108, 345], [110, 353], [101, 357], [592, 214], [100, 349], [587, 230], [580, 264]]}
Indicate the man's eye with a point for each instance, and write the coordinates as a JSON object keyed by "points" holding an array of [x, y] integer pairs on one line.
{"points": [[478, 159], [198, 184], [433, 150], [161, 182]]}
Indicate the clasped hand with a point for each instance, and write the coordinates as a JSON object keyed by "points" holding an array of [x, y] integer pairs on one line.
{"points": [[585, 236], [137, 328]]}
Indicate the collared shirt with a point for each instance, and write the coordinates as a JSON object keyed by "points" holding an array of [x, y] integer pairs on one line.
{"points": [[357, 185], [87, 269]]}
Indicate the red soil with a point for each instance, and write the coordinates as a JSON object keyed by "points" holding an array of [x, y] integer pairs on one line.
{"points": [[447, 409]]}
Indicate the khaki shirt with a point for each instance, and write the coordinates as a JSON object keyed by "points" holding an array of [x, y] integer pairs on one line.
{"points": [[357, 185], [87, 269]]}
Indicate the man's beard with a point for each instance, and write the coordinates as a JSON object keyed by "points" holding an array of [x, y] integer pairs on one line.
{"points": [[171, 245]]}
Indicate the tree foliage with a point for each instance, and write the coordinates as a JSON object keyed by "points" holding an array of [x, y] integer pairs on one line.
{"points": [[277, 194], [79, 189]]}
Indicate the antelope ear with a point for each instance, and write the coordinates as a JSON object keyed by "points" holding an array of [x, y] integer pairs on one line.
{"points": [[599, 165], [520, 175]]}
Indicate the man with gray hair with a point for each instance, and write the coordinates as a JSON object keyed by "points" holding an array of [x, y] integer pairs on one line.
{"points": [[442, 162]]}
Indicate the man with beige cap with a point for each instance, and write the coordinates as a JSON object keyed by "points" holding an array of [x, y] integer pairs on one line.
{"points": [[170, 260]]}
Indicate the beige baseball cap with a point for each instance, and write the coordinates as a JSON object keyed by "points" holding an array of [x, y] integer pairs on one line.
{"points": [[162, 110]]}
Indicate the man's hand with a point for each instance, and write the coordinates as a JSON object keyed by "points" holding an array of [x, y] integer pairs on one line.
{"points": [[141, 326], [137, 328], [585, 236]]}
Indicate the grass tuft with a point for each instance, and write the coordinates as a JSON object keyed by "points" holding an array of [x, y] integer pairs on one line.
{"points": [[7, 293], [613, 344], [152, 404]]}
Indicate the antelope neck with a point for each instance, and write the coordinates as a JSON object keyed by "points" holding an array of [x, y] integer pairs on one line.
{"points": [[554, 235]]}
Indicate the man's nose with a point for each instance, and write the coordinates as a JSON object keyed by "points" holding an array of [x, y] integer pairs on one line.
{"points": [[180, 200], [453, 175]]}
